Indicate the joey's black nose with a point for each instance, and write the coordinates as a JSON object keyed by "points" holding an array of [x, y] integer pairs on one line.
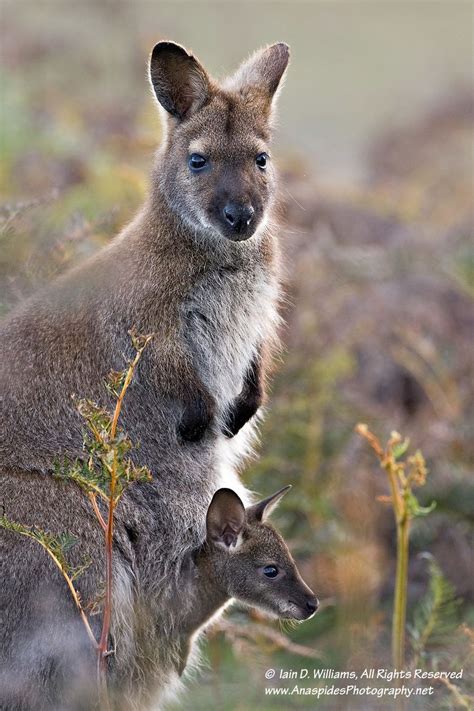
{"points": [[312, 605], [238, 216]]}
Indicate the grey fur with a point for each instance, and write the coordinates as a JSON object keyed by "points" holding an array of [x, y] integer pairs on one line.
{"points": [[212, 303]]}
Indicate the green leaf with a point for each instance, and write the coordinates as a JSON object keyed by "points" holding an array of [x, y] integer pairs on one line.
{"points": [[414, 507], [66, 541], [425, 510], [400, 449]]}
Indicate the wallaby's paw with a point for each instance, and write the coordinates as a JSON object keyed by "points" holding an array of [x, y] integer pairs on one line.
{"points": [[196, 419], [234, 423], [239, 414]]}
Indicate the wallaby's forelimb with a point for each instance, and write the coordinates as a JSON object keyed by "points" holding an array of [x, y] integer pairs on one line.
{"points": [[249, 399], [180, 381]]}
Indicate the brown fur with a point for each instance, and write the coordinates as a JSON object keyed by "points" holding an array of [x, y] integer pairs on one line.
{"points": [[240, 543], [210, 294]]}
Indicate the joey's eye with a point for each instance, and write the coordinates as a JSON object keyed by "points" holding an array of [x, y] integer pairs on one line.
{"points": [[197, 162], [261, 160], [271, 571]]}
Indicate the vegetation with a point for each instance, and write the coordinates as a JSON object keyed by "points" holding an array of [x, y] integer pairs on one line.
{"points": [[379, 325], [402, 476]]}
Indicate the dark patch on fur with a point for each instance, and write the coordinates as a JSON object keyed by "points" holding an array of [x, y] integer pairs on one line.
{"points": [[246, 405]]}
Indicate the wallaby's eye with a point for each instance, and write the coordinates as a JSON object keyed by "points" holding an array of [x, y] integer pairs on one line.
{"points": [[261, 160], [271, 571], [197, 162]]}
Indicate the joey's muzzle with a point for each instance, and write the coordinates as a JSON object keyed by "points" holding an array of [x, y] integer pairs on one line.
{"points": [[304, 609], [304, 603], [312, 605]]}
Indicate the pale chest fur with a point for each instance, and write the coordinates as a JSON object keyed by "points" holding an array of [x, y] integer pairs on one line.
{"points": [[227, 317]]}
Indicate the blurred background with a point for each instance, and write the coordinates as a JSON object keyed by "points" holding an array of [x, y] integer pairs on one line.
{"points": [[375, 150]]}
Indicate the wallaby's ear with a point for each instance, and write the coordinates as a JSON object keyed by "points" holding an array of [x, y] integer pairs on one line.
{"points": [[262, 72], [180, 83], [262, 509], [225, 518]]}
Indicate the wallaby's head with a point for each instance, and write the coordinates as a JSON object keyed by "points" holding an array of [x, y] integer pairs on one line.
{"points": [[250, 561], [216, 171]]}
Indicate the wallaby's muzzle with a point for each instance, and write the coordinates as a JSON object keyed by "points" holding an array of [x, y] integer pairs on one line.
{"points": [[303, 602], [311, 606], [302, 607], [238, 220]]}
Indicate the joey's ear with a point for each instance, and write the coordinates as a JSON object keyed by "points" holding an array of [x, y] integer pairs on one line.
{"points": [[262, 73], [180, 83], [225, 518], [262, 509]]}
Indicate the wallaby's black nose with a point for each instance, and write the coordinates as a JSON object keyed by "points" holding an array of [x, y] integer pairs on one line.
{"points": [[312, 605], [238, 216]]}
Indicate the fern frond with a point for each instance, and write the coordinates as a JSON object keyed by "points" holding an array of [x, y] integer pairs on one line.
{"points": [[436, 615]]}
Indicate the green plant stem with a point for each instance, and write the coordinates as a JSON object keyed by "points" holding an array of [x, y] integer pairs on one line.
{"points": [[401, 581]]}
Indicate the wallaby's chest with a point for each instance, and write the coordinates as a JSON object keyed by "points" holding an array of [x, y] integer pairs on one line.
{"points": [[226, 316]]}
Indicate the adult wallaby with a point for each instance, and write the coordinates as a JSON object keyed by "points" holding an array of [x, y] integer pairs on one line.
{"points": [[198, 267]]}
